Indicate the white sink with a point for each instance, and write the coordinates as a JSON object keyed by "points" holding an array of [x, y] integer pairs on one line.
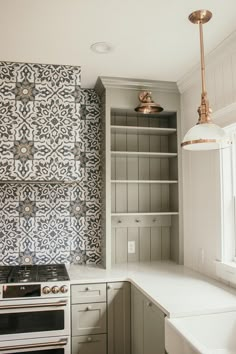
{"points": [[205, 334]]}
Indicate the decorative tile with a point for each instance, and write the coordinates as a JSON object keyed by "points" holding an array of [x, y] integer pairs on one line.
{"points": [[78, 243], [50, 130], [89, 97], [27, 245], [78, 257], [9, 235], [10, 258], [93, 256]]}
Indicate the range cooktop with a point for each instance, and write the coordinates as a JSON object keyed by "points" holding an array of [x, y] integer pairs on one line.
{"points": [[33, 273]]}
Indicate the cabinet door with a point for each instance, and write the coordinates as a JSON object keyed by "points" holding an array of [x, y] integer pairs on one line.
{"points": [[84, 293], [88, 319], [137, 322], [154, 336], [147, 325], [118, 296], [89, 344]]}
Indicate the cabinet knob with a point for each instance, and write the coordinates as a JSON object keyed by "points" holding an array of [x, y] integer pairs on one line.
{"points": [[154, 220], [88, 288], [89, 339], [119, 221], [137, 220], [109, 287], [88, 308], [149, 304]]}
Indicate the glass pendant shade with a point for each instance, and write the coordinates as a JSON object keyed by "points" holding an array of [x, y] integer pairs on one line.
{"points": [[205, 136]]}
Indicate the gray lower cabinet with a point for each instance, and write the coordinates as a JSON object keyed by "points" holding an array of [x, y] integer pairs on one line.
{"points": [[118, 318], [95, 344], [147, 325], [89, 319]]}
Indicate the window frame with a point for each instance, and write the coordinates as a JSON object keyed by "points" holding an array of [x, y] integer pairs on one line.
{"points": [[226, 266]]}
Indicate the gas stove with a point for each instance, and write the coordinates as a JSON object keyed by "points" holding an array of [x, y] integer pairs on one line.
{"points": [[33, 273], [51, 280], [34, 309]]}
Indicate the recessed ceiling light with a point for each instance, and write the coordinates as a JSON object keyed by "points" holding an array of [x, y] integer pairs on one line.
{"points": [[101, 47]]}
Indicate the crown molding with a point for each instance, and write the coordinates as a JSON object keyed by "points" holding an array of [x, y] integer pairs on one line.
{"points": [[224, 49], [106, 82], [225, 116]]}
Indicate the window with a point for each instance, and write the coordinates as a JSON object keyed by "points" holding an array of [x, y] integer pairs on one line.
{"points": [[226, 267]]}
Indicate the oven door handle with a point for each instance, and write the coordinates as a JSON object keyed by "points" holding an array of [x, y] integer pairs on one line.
{"points": [[25, 306], [59, 343]]}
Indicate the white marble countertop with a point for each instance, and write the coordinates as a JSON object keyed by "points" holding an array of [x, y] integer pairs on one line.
{"points": [[175, 289]]}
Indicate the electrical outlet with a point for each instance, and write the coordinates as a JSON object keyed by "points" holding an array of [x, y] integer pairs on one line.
{"points": [[131, 246]]}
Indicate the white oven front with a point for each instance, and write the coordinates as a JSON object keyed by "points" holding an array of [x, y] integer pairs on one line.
{"points": [[34, 318], [50, 345]]}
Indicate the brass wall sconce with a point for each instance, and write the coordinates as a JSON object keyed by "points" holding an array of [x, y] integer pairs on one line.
{"points": [[147, 104]]}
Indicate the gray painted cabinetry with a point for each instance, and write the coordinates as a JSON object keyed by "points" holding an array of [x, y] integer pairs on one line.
{"points": [[141, 197], [147, 324], [89, 319], [144, 186], [118, 319], [101, 318]]}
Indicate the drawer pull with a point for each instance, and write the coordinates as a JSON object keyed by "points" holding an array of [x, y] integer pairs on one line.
{"points": [[88, 288], [88, 308]]}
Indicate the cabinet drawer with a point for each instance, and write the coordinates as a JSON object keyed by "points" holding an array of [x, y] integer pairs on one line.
{"points": [[89, 344], [88, 293], [88, 319]]}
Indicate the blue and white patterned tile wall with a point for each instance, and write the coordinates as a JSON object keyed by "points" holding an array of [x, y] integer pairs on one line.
{"points": [[50, 131]]}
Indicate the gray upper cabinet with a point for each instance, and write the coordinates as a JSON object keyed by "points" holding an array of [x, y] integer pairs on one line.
{"points": [[118, 300], [147, 325], [141, 209]]}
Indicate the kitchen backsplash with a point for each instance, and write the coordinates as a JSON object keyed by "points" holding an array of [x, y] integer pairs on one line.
{"points": [[50, 131]]}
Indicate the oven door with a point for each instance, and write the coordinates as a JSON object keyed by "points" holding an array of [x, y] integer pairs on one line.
{"points": [[34, 318], [52, 345]]}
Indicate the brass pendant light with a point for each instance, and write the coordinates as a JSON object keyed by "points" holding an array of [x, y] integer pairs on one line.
{"points": [[147, 104], [205, 135]]}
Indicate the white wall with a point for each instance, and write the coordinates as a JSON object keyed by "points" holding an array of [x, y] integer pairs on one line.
{"points": [[201, 170]]}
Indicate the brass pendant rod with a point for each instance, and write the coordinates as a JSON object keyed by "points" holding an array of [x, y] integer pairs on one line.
{"points": [[202, 59]]}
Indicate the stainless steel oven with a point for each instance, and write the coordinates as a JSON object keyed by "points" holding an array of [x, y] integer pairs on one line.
{"points": [[51, 345], [35, 318]]}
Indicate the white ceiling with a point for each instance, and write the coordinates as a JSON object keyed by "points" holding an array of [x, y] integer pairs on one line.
{"points": [[152, 39]]}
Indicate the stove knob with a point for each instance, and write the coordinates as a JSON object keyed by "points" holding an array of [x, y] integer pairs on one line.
{"points": [[55, 289], [46, 290], [64, 289]]}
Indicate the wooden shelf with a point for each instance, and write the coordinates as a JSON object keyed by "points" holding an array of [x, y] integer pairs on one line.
{"points": [[141, 130], [144, 181], [145, 214], [143, 154]]}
